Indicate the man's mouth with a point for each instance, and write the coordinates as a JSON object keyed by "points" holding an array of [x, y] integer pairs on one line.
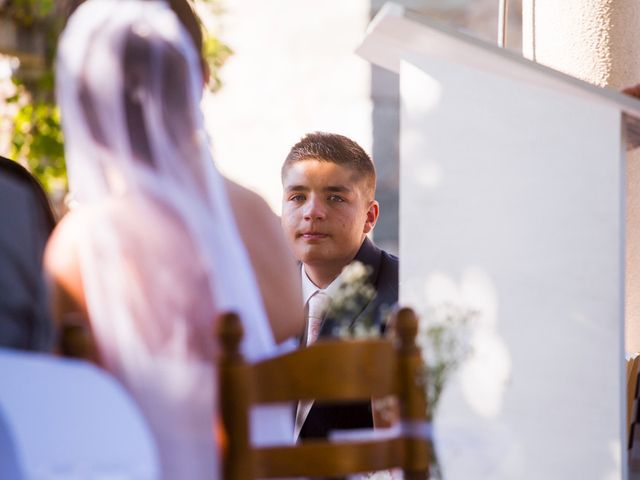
{"points": [[312, 235]]}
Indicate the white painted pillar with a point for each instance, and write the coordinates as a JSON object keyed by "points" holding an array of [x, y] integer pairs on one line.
{"points": [[597, 41]]}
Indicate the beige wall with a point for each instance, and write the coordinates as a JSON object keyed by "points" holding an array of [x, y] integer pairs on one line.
{"points": [[632, 284], [597, 41]]}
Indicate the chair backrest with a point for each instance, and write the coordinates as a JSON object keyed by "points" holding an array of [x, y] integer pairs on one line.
{"points": [[331, 370], [75, 340]]}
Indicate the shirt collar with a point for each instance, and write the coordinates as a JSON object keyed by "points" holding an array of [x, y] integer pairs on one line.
{"points": [[309, 288]]}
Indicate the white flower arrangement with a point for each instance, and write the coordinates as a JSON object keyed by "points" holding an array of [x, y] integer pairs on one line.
{"points": [[349, 299], [381, 475], [443, 339]]}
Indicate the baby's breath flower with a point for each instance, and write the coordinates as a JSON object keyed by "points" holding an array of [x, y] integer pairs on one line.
{"points": [[348, 301], [354, 273], [444, 345]]}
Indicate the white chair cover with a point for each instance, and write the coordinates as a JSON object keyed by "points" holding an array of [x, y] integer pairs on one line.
{"points": [[66, 419]]}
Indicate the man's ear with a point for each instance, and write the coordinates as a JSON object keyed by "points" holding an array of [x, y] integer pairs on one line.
{"points": [[372, 216]]}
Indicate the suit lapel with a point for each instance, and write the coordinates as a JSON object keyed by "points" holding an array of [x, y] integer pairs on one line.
{"points": [[369, 255], [302, 412]]}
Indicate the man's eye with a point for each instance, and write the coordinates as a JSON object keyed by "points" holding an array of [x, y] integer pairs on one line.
{"points": [[336, 198], [296, 198]]}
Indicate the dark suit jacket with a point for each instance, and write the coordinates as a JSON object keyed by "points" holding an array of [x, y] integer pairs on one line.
{"points": [[384, 277]]}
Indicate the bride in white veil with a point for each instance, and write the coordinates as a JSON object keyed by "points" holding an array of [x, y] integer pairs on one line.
{"points": [[153, 252]]}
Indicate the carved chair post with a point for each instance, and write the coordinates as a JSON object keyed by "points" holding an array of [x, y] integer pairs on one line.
{"points": [[234, 379], [413, 410]]}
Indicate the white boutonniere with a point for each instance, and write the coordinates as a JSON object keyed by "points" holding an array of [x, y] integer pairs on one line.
{"points": [[352, 295]]}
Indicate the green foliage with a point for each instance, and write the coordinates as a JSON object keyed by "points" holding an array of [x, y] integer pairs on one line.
{"points": [[29, 12], [215, 53], [37, 138]]}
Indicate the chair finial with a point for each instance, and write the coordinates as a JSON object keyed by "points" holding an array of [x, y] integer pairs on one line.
{"points": [[230, 333], [407, 327]]}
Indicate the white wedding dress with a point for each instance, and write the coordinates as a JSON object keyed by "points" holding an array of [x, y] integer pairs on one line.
{"points": [[160, 254]]}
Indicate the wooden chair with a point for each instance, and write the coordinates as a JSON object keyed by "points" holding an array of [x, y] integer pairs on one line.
{"points": [[633, 364], [75, 340], [343, 370]]}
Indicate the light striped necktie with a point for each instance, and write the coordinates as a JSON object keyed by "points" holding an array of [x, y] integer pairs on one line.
{"points": [[316, 308]]}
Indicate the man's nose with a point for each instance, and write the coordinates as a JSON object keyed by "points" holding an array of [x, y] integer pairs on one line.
{"points": [[314, 210]]}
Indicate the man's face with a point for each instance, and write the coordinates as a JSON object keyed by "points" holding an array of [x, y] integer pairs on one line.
{"points": [[325, 212]]}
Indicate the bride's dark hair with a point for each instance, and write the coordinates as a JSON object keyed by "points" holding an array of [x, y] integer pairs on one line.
{"points": [[190, 20]]}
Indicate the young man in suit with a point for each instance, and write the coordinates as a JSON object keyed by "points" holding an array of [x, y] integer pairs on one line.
{"points": [[328, 209]]}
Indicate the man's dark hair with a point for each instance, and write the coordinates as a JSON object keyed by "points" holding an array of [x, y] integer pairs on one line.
{"points": [[334, 148]]}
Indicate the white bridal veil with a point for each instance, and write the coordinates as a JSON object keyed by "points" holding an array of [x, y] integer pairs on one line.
{"points": [[160, 252]]}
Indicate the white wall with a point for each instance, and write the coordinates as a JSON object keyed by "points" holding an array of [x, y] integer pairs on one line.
{"points": [[597, 41], [293, 71], [495, 219]]}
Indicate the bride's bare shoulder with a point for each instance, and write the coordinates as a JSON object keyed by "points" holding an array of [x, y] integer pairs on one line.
{"points": [[262, 235], [61, 250], [62, 243], [61, 262], [62, 268], [244, 200]]}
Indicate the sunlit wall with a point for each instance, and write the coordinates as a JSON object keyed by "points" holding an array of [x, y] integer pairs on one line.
{"points": [[293, 71]]}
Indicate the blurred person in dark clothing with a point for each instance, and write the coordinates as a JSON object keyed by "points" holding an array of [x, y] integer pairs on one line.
{"points": [[26, 220]]}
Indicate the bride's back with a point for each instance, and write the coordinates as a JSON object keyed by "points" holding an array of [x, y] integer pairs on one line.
{"points": [[153, 333], [153, 253]]}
